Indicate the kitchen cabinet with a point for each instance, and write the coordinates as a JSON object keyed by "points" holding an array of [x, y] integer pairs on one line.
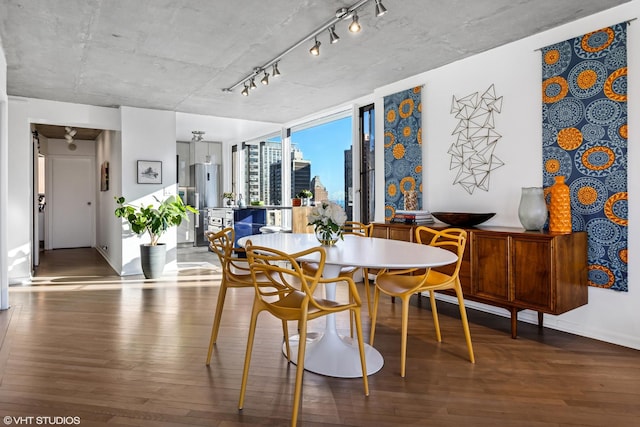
{"points": [[516, 269]]}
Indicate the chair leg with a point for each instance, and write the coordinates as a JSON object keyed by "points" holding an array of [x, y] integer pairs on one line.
{"points": [[299, 372], [247, 357], [285, 334], [374, 315], [216, 320], [365, 275], [405, 321], [434, 313], [351, 319], [357, 314], [465, 322]]}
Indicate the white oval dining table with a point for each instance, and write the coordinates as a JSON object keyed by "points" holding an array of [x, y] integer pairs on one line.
{"points": [[329, 353]]}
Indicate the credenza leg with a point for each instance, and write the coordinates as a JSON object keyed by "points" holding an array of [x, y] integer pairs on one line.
{"points": [[514, 323], [540, 319]]}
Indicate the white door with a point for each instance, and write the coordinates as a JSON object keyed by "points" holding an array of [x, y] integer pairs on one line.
{"points": [[71, 205]]}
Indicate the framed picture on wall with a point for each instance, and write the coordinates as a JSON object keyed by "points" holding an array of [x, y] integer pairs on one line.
{"points": [[149, 172], [104, 176]]}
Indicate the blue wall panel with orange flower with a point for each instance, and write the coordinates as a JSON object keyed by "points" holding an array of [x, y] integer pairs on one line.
{"points": [[584, 138], [402, 148]]}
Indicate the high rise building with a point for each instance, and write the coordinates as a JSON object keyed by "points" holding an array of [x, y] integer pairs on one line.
{"points": [[348, 184], [251, 172], [319, 191], [262, 178], [270, 185], [300, 172]]}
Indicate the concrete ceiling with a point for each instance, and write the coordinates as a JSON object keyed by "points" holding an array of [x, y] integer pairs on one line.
{"points": [[178, 55]]}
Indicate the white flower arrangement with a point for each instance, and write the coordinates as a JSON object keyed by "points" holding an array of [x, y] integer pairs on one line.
{"points": [[328, 219]]}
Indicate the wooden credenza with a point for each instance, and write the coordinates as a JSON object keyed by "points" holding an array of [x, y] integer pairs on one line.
{"points": [[517, 269]]}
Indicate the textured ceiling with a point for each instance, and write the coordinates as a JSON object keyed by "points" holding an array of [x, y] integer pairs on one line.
{"points": [[177, 55]]}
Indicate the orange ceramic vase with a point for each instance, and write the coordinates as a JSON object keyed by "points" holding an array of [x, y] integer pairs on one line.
{"points": [[559, 206]]}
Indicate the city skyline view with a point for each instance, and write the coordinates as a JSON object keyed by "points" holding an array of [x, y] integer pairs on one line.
{"points": [[324, 146]]}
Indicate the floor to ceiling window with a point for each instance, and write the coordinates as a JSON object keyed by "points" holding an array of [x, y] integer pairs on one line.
{"points": [[321, 156], [319, 159], [367, 163], [257, 170]]}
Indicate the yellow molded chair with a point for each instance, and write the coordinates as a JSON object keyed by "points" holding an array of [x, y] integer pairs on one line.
{"points": [[235, 274], [404, 283], [357, 229], [363, 230], [291, 298]]}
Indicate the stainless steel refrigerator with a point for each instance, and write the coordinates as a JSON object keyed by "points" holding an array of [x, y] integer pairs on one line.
{"points": [[203, 194]]}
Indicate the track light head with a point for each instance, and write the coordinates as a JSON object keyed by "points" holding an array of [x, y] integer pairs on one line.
{"points": [[333, 37], [380, 9], [252, 85], [245, 91], [355, 27], [265, 79], [275, 72], [315, 50]]}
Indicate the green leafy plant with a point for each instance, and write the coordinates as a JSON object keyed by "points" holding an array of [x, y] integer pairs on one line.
{"points": [[154, 220], [305, 194]]}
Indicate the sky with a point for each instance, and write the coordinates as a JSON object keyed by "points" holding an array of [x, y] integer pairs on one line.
{"points": [[324, 146]]}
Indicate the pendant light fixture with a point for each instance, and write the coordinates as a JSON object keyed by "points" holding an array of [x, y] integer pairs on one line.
{"points": [[68, 136], [197, 135], [342, 14]]}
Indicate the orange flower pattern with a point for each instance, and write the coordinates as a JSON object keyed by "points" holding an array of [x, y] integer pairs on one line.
{"points": [[402, 147], [584, 111]]}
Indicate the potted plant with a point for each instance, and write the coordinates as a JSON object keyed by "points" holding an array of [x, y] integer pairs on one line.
{"points": [[229, 196], [155, 221], [305, 195]]}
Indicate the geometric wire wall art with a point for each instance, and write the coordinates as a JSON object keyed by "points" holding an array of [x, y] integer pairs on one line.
{"points": [[476, 139]]}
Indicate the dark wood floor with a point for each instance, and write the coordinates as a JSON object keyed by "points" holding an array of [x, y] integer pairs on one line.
{"points": [[82, 342]]}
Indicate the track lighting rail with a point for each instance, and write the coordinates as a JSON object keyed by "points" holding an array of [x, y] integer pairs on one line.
{"points": [[341, 14]]}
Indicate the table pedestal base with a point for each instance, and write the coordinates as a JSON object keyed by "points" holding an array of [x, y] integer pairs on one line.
{"points": [[335, 356]]}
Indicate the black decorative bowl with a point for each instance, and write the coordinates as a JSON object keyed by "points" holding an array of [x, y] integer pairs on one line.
{"points": [[462, 219]]}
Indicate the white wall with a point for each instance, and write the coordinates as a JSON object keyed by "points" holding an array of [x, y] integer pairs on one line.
{"points": [[23, 112], [147, 135], [108, 228], [515, 69], [4, 183]]}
